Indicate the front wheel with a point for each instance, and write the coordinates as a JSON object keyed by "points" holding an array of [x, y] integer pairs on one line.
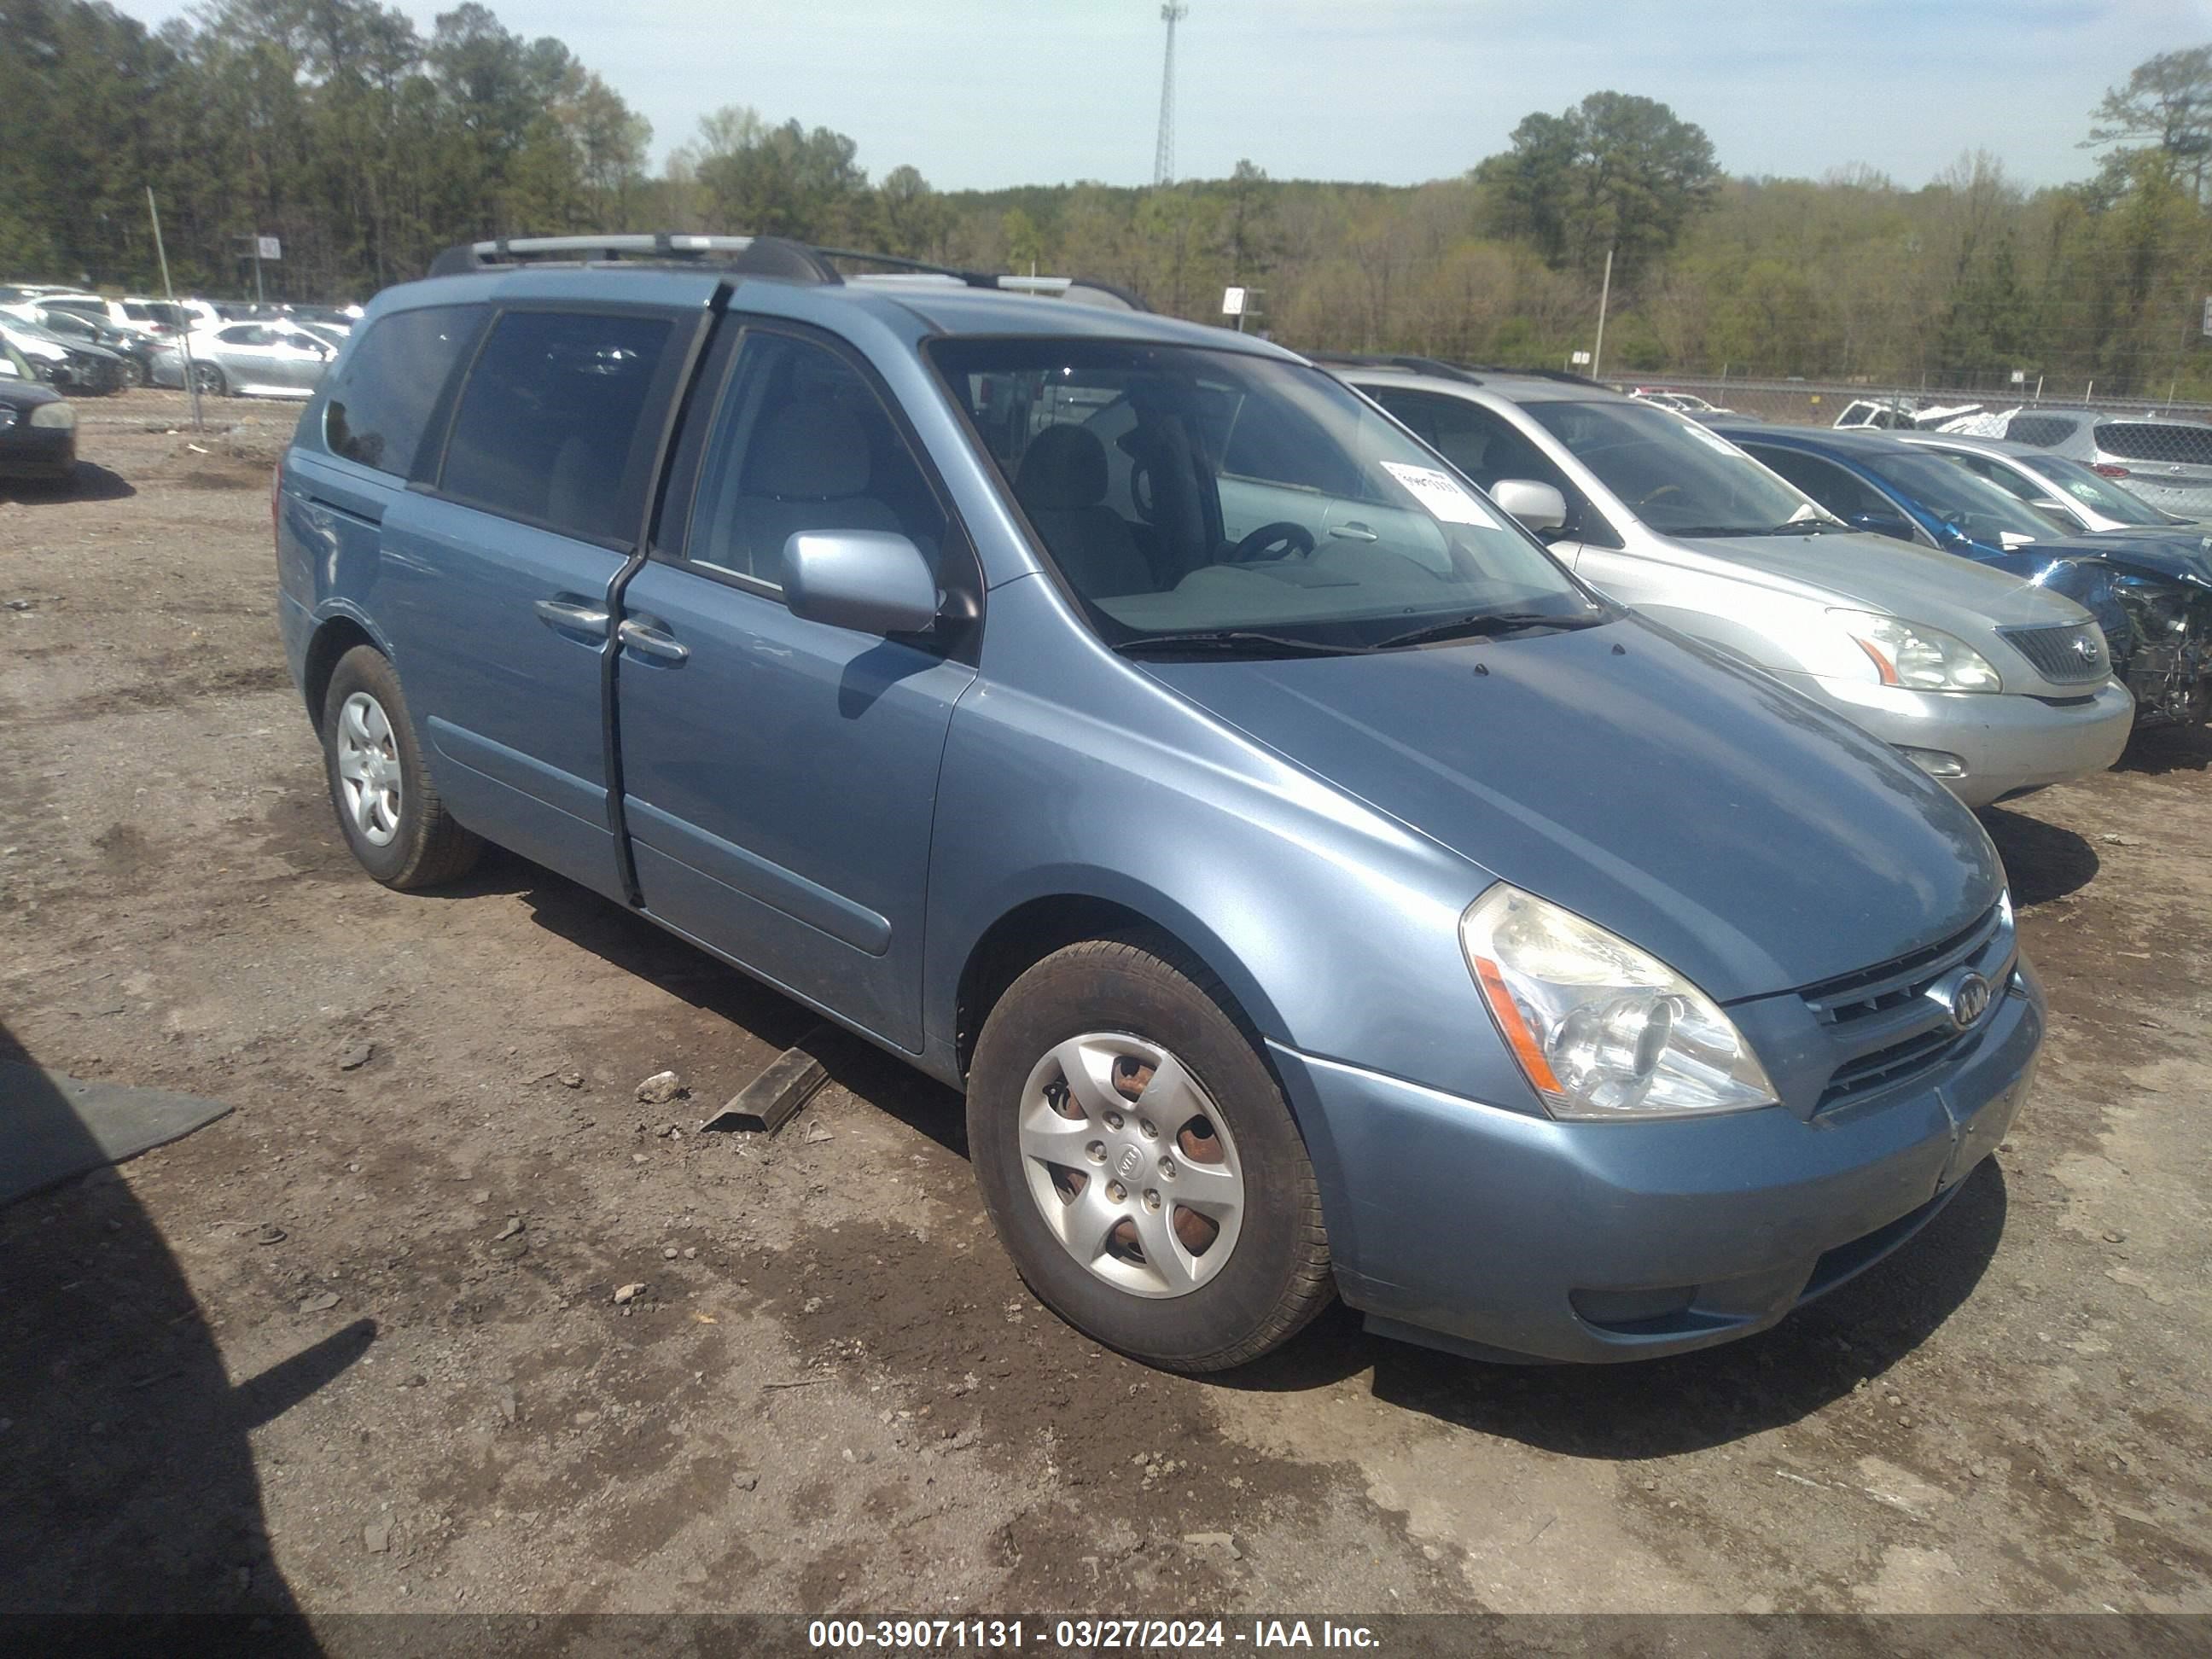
{"points": [[210, 380], [387, 807], [1139, 1162]]}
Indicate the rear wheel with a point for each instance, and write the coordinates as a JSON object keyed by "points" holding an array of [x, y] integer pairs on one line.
{"points": [[1139, 1162], [387, 807]]}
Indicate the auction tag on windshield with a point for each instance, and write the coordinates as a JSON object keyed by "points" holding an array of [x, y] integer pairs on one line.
{"points": [[1441, 494]]}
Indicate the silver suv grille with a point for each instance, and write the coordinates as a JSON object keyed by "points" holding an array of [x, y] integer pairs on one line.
{"points": [[1887, 1029], [2064, 656]]}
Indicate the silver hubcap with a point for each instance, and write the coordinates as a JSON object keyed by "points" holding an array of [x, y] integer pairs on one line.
{"points": [[1130, 1165], [368, 768]]}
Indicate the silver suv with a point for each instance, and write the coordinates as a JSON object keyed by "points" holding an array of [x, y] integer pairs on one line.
{"points": [[1984, 681]]}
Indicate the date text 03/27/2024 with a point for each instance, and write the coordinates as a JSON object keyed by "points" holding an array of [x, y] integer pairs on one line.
{"points": [[1082, 1635]]}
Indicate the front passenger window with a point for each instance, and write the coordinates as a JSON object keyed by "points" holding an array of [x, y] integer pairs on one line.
{"points": [[802, 442]]}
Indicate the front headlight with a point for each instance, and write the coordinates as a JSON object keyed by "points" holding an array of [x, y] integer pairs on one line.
{"points": [[59, 416], [1601, 1029], [1917, 657]]}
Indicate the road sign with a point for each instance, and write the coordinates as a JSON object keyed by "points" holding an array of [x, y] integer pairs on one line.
{"points": [[2020, 377], [2208, 317], [1582, 359], [1232, 303], [268, 247]]}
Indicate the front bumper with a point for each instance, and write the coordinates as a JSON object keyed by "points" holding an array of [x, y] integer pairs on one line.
{"points": [[37, 452], [1496, 1233], [2006, 742]]}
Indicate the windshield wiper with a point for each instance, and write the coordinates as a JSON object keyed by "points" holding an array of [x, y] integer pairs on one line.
{"points": [[1240, 643], [1788, 528], [1483, 622]]}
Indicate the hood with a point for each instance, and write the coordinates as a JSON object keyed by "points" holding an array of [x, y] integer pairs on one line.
{"points": [[1712, 816], [1878, 572], [21, 395], [2179, 549]]}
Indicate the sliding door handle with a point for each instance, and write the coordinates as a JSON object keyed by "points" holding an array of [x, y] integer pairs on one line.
{"points": [[651, 641]]}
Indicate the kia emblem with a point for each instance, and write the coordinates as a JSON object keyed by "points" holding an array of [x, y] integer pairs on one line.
{"points": [[1970, 1001]]}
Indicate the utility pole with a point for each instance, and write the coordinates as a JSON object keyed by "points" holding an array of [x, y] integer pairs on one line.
{"points": [[1604, 299], [1163, 151], [169, 293]]}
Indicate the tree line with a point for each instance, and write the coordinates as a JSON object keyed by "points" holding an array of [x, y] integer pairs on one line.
{"points": [[366, 146]]}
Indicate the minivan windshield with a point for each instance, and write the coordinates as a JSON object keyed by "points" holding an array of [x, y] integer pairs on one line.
{"points": [[1676, 476], [1204, 498]]}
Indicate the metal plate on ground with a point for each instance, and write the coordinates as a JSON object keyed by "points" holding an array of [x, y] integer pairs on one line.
{"points": [[52, 1127]]}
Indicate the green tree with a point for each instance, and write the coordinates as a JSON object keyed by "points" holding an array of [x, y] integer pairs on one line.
{"points": [[1616, 172], [2167, 105]]}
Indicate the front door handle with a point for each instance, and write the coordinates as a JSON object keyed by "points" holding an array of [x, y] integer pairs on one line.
{"points": [[1352, 530], [651, 641], [583, 618]]}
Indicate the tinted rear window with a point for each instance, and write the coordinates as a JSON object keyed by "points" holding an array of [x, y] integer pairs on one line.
{"points": [[2041, 430], [551, 428], [382, 398], [2157, 440]]}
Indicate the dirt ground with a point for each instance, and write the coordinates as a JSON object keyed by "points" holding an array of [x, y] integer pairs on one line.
{"points": [[357, 1347]]}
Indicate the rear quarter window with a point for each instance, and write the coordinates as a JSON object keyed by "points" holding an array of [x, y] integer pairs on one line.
{"points": [[2044, 431], [381, 400]]}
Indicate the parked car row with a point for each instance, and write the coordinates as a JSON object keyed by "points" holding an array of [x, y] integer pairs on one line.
{"points": [[1994, 685], [90, 343], [1470, 844]]}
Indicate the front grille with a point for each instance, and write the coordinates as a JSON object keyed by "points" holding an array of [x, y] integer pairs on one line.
{"points": [[1888, 1030], [2072, 655]]}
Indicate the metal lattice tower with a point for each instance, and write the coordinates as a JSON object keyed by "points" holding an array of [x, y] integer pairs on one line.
{"points": [[1163, 155]]}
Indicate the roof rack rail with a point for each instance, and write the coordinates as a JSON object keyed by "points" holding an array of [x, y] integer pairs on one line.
{"points": [[1566, 376], [764, 256], [761, 256], [1410, 363], [1082, 290]]}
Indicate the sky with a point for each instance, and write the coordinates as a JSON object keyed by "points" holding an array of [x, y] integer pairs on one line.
{"points": [[988, 92]]}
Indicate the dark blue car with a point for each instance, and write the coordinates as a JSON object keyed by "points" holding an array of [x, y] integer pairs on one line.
{"points": [[2153, 599]]}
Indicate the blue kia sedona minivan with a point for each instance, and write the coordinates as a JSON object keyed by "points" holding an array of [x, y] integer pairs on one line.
{"points": [[1315, 889]]}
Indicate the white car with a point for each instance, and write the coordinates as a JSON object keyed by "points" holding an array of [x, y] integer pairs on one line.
{"points": [[265, 356]]}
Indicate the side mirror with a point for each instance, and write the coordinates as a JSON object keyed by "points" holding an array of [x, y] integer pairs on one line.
{"points": [[869, 580], [1539, 506]]}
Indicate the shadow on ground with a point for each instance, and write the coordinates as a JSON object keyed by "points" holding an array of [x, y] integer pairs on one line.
{"points": [[629, 942], [127, 1482], [2043, 861], [90, 482], [2163, 748]]}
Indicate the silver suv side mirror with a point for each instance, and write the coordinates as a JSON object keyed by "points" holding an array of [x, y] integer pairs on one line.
{"points": [[1539, 506], [869, 580]]}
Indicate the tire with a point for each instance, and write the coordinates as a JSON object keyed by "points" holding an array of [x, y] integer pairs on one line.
{"points": [[1129, 999], [402, 836], [135, 374], [211, 380]]}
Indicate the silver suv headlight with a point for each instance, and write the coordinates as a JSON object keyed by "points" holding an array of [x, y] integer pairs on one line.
{"points": [[1920, 658], [1601, 1029], [53, 415]]}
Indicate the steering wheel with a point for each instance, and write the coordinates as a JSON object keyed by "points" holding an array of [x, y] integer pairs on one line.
{"points": [[1663, 490], [1286, 537], [1140, 491]]}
